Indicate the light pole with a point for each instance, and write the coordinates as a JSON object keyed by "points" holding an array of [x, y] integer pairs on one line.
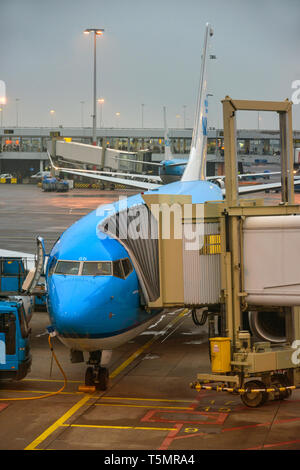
{"points": [[82, 104], [52, 112], [142, 105], [117, 118], [101, 101], [17, 111], [184, 109], [97, 32], [258, 120]]}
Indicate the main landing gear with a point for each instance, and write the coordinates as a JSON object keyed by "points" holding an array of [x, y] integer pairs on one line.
{"points": [[96, 375]]}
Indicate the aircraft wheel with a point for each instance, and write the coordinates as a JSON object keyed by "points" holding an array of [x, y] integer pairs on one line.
{"points": [[103, 378], [254, 399], [89, 377]]}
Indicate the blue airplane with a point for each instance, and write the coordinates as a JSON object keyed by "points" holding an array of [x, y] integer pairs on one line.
{"points": [[97, 289]]}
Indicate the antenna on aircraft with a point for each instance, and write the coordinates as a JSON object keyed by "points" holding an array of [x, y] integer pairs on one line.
{"points": [[196, 166]]}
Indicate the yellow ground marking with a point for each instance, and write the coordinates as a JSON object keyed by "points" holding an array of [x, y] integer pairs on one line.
{"points": [[58, 423], [147, 406], [61, 421], [117, 427], [142, 348], [42, 391], [148, 399], [52, 380]]}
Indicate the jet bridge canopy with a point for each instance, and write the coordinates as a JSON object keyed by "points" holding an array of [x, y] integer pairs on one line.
{"points": [[136, 229]]}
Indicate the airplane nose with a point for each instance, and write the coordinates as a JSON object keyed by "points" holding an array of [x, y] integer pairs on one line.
{"points": [[75, 303]]}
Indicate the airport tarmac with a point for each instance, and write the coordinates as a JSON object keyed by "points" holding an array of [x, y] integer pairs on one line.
{"points": [[149, 404]]}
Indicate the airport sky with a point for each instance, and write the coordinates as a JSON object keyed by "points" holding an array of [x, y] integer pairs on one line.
{"points": [[149, 54]]}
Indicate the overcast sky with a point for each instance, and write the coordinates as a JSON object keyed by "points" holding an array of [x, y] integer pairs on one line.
{"points": [[150, 53]]}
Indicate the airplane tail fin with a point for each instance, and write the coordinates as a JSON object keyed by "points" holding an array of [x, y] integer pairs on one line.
{"points": [[196, 166], [168, 154]]}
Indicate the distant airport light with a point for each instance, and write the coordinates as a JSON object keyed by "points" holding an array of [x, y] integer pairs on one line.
{"points": [[99, 32], [2, 92]]}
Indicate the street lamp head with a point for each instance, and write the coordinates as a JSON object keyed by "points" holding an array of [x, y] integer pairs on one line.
{"points": [[100, 100], [98, 32]]}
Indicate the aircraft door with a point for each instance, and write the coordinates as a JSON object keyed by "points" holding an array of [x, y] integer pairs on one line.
{"points": [[35, 273]]}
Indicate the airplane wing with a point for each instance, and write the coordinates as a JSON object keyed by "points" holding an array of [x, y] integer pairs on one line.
{"points": [[112, 177], [261, 187], [126, 181], [246, 175], [113, 173]]}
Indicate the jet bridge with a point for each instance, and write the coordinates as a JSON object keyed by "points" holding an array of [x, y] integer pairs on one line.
{"points": [[238, 261]]}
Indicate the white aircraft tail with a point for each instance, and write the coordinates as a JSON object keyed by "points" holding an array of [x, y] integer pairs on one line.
{"points": [[168, 154], [196, 166]]}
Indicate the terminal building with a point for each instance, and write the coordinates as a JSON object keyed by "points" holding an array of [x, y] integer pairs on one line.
{"points": [[23, 151]]}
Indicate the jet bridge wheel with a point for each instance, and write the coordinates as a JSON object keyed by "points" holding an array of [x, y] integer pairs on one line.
{"points": [[280, 380], [254, 399]]}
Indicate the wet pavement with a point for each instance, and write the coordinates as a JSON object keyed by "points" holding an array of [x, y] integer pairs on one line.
{"points": [[149, 404]]}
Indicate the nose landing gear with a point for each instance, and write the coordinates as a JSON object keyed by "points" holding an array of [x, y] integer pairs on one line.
{"points": [[96, 376]]}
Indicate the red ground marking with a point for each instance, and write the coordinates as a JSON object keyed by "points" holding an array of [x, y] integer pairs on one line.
{"points": [[218, 418], [170, 438], [278, 444], [3, 405], [278, 421]]}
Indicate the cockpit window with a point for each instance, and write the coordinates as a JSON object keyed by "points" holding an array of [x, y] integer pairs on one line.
{"points": [[118, 271], [120, 268], [127, 267], [97, 268], [67, 267]]}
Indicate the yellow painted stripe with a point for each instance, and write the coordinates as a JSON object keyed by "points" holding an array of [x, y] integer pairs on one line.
{"points": [[58, 423], [131, 358], [148, 399], [117, 427], [42, 391], [53, 380], [141, 349], [147, 406]]}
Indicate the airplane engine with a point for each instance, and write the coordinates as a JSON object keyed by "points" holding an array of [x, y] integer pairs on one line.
{"points": [[268, 326], [220, 183]]}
